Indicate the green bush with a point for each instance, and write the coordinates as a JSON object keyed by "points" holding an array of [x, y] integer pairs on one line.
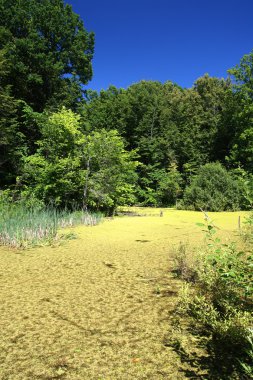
{"points": [[213, 189], [247, 231], [221, 302]]}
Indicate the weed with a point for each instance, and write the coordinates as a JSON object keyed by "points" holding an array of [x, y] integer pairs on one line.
{"points": [[221, 300], [186, 266], [21, 227]]}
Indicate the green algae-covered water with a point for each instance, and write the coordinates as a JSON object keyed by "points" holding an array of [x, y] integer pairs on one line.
{"points": [[89, 309]]}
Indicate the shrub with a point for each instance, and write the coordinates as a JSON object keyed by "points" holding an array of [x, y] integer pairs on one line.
{"points": [[221, 302], [213, 189], [247, 231], [186, 266]]}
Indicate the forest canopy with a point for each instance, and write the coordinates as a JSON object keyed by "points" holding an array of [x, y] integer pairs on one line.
{"points": [[149, 144]]}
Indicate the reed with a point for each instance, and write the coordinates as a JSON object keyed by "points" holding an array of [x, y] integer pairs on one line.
{"points": [[21, 227]]}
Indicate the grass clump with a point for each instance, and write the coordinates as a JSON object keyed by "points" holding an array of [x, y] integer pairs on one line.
{"points": [[186, 266], [22, 226], [220, 303]]}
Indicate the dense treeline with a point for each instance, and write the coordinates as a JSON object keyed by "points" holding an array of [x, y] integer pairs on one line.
{"points": [[150, 144]]}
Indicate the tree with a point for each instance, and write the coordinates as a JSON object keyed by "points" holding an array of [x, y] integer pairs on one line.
{"points": [[54, 174], [12, 144], [168, 125], [110, 171], [243, 75], [216, 118], [242, 145], [213, 189], [71, 168], [143, 118], [169, 186], [108, 110], [193, 121], [48, 50]]}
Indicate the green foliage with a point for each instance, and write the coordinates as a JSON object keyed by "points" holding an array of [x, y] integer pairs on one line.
{"points": [[11, 139], [169, 126], [247, 367], [71, 168], [246, 232], [108, 110], [245, 182], [213, 189], [49, 52], [160, 187], [61, 134], [242, 143], [243, 75], [169, 186], [65, 145], [57, 182], [221, 303], [110, 171], [229, 268], [45, 58], [242, 150], [54, 173]]}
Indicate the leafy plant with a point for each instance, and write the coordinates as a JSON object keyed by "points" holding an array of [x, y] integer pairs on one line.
{"points": [[213, 189], [221, 301]]}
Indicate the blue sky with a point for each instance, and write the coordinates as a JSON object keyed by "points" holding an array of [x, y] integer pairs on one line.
{"points": [[177, 40]]}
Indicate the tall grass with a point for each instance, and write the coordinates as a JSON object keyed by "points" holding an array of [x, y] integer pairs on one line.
{"points": [[22, 227]]}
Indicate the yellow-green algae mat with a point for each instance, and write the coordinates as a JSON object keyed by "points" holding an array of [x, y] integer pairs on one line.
{"points": [[90, 309]]}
